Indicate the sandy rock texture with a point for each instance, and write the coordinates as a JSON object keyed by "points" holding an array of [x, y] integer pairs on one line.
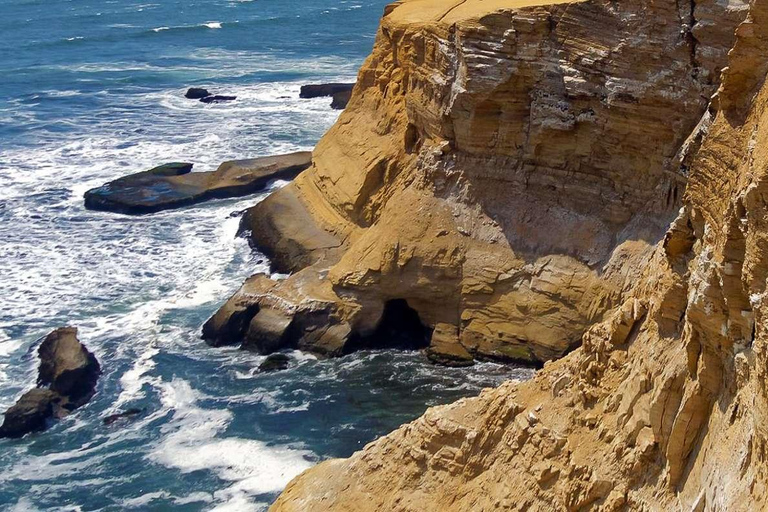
{"points": [[506, 168], [663, 407]]}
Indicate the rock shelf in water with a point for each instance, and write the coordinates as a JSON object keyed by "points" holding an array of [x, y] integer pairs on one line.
{"points": [[340, 92], [174, 186]]}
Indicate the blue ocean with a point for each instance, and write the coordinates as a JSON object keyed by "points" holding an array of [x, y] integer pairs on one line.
{"points": [[92, 90]]}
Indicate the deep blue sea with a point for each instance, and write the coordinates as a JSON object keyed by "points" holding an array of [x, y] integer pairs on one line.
{"points": [[91, 90]]}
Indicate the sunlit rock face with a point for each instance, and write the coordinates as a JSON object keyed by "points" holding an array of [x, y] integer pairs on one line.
{"points": [[506, 168], [663, 406]]}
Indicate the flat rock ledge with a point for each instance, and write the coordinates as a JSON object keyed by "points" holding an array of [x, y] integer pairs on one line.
{"points": [[66, 380], [173, 185], [340, 92]]}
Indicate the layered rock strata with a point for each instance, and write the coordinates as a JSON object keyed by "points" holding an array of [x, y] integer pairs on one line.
{"points": [[505, 168], [664, 405], [174, 186]]}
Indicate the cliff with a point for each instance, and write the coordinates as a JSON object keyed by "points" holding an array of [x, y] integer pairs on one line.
{"points": [[664, 405], [504, 169]]}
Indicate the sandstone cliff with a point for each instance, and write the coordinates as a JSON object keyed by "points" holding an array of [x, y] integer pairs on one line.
{"points": [[664, 406], [505, 168]]}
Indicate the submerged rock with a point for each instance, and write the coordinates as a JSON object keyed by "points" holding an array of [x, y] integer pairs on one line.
{"points": [[130, 413], [66, 380], [275, 362], [196, 93], [173, 185], [321, 90], [217, 99]]}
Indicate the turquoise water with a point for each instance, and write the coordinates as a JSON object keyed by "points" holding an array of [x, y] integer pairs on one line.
{"points": [[93, 90]]}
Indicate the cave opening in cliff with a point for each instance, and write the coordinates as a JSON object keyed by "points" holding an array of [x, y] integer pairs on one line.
{"points": [[400, 327]]}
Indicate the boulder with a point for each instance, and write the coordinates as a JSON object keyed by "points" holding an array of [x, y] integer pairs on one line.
{"points": [[66, 380], [268, 331], [174, 186], [67, 368], [197, 93], [30, 413], [229, 324], [446, 349], [340, 99], [322, 90], [275, 362], [217, 99]]}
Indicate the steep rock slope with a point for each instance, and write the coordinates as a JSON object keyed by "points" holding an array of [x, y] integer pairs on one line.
{"points": [[664, 406], [505, 167]]}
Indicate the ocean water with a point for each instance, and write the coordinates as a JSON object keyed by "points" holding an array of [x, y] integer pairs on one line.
{"points": [[92, 90]]}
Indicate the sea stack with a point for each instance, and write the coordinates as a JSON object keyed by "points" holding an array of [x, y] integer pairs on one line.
{"points": [[66, 380]]}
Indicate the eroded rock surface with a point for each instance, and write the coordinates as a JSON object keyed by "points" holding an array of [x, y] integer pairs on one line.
{"points": [[174, 186], [664, 405], [505, 168]]}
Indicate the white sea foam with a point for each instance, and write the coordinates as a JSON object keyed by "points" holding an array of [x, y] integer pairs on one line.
{"points": [[213, 24], [191, 442]]}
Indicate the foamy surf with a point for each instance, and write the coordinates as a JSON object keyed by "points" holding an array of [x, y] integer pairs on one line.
{"points": [[208, 430], [193, 442]]}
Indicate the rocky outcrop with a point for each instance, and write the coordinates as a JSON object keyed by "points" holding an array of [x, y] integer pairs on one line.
{"points": [[66, 380], [204, 96], [506, 170], [321, 90], [274, 363], [664, 405], [339, 92], [340, 100], [174, 186], [196, 93], [217, 98]]}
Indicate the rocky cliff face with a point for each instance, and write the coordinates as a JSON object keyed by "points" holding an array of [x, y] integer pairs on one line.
{"points": [[664, 406], [504, 167]]}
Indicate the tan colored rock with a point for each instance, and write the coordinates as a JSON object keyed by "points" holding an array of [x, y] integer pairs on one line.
{"points": [[505, 167], [666, 405]]}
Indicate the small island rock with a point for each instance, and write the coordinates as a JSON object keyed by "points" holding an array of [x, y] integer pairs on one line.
{"points": [[197, 93]]}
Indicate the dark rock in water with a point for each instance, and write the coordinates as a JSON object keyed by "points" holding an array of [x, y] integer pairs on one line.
{"points": [[196, 93], [275, 362], [217, 99], [340, 100], [130, 413], [30, 413], [174, 186], [67, 379], [67, 367], [321, 90]]}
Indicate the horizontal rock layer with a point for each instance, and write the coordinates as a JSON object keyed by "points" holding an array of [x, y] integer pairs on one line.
{"points": [[505, 168], [664, 405]]}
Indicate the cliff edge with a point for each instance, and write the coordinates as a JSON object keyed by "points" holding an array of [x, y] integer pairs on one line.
{"points": [[504, 169], [664, 405]]}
